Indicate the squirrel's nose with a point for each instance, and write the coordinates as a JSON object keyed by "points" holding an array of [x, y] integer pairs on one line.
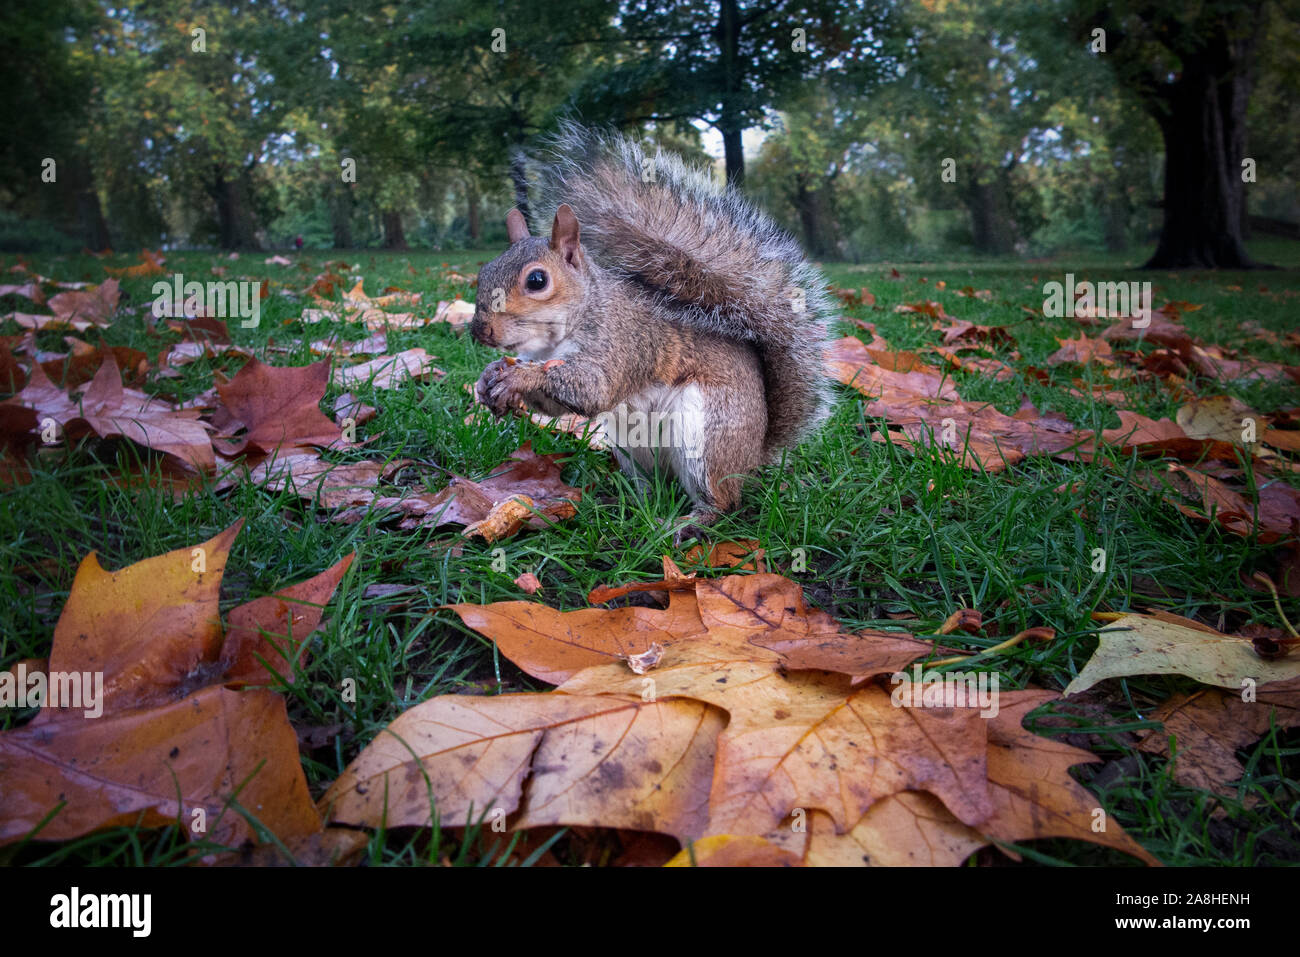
{"points": [[482, 332]]}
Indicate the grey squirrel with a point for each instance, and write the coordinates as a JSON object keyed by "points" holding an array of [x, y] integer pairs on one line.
{"points": [[659, 295]]}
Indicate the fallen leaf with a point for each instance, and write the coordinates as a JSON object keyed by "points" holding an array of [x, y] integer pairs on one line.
{"points": [[1158, 437], [29, 290], [1211, 361], [1210, 726], [528, 583], [927, 308], [348, 406], [553, 646], [171, 739], [387, 372], [1277, 517], [794, 741], [851, 362], [1081, 351], [959, 329], [1033, 794], [150, 265], [641, 765], [275, 406], [742, 555], [986, 438], [524, 475], [95, 305], [267, 636], [1158, 328], [735, 850], [996, 369], [329, 484], [1146, 645], [456, 312]]}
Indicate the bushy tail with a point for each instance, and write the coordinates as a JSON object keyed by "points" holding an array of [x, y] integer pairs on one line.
{"points": [[705, 253]]}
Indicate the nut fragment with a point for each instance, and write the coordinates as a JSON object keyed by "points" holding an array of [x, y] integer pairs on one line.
{"points": [[647, 659]]}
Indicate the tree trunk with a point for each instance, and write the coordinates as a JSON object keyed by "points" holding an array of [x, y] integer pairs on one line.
{"points": [[471, 211], [1202, 118], [1115, 213], [727, 34], [1204, 194], [990, 216], [85, 205], [734, 150], [818, 227], [394, 237], [233, 215], [340, 202]]}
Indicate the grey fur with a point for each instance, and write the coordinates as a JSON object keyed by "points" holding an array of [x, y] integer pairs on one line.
{"points": [[702, 252]]}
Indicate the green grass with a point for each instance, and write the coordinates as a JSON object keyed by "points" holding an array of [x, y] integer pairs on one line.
{"points": [[885, 533]]}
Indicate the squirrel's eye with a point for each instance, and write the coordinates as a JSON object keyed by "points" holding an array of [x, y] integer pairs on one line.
{"points": [[536, 281]]}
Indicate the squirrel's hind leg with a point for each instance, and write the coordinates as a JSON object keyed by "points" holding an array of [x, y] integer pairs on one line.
{"points": [[635, 472], [728, 447]]}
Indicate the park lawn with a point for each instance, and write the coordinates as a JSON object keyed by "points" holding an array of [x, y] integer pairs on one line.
{"points": [[887, 534]]}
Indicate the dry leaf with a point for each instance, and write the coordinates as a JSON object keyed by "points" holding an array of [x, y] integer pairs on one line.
{"points": [[1211, 726], [171, 739], [331, 484], [1169, 645], [387, 372], [623, 761], [1082, 351], [95, 305], [275, 406], [852, 363]]}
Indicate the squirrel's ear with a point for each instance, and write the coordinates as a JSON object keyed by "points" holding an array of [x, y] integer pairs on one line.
{"points": [[516, 226], [564, 235]]}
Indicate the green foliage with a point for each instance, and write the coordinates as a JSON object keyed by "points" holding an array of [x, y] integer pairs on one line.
{"points": [[240, 143]]}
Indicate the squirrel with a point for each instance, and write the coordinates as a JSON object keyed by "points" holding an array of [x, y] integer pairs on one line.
{"points": [[659, 295]]}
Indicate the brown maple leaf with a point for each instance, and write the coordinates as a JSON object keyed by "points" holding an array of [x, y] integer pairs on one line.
{"points": [[852, 363], [1081, 351], [495, 504], [1154, 438], [388, 371], [1210, 726], [170, 740], [630, 763], [274, 406], [108, 410], [798, 741]]}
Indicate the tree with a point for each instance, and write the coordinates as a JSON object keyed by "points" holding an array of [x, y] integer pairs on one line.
{"points": [[1194, 68], [48, 66], [977, 91], [481, 80], [728, 62], [803, 160]]}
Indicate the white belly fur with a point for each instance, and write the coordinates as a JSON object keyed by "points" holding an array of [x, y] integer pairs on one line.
{"points": [[661, 425]]}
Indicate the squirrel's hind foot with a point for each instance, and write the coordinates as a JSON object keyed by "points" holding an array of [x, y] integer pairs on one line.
{"points": [[694, 526]]}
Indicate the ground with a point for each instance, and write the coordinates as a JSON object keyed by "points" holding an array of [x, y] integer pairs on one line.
{"points": [[886, 533]]}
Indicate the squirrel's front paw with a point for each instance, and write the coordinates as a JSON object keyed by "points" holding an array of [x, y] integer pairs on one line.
{"points": [[486, 381], [504, 384]]}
